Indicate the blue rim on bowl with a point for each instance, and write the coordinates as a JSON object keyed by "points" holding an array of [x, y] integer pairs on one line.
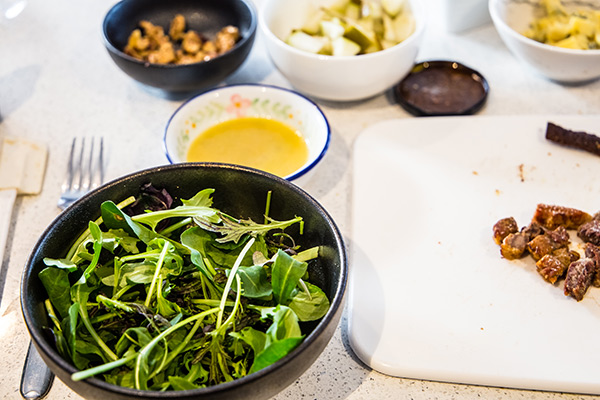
{"points": [[216, 110]]}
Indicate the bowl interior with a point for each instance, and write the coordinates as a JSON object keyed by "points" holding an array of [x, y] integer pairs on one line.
{"points": [[518, 15], [280, 17], [237, 101], [238, 191], [206, 17]]}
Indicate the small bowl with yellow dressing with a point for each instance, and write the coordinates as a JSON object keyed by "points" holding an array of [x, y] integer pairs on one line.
{"points": [[260, 126]]}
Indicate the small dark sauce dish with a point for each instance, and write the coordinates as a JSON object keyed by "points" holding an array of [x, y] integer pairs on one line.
{"points": [[435, 88]]}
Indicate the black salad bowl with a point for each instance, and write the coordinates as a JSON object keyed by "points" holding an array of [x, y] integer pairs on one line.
{"points": [[239, 191], [204, 16]]}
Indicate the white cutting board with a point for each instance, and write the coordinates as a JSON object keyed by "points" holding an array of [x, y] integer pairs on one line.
{"points": [[430, 297]]}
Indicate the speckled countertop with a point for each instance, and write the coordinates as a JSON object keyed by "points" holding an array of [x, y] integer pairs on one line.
{"points": [[57, 81]]}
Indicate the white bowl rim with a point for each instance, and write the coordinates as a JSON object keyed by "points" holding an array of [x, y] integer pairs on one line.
{"points": [[419, 29], [255, 86], [500, 21]]}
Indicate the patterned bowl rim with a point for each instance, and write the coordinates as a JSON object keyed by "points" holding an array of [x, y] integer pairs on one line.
{"points": [[253, 86]]}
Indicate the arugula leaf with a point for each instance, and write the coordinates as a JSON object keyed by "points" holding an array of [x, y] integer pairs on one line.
{"points": [[233, 229]]}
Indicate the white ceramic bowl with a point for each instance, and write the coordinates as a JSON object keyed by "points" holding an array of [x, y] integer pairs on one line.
{"points": [[248, 100], [337, 78], [512, 17]]}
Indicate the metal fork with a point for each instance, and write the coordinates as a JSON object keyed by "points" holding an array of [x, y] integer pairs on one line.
{"points": [[85, 170]]}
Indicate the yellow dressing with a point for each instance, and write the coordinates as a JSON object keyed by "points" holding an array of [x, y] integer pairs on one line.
{"points": [[260, 143]]}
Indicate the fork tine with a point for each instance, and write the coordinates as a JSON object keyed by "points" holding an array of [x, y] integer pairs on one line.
{"points": [[85, 169], [78, 168], [68, 182], [101, 160], [88, 173]]}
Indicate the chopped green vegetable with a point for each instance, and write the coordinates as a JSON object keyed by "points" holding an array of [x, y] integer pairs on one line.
{"points": [[179, 297]]}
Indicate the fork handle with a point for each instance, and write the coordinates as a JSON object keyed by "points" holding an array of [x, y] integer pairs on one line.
{"points": [[36, 378]]}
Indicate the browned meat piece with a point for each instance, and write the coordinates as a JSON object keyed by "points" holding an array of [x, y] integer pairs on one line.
{"points": [[533, 229], [503, 228], [551, 216], [513, 246], [547, 243], [565, 255], [593, 253], [580, 275], [590, 232], [551, 268], [579, 140], [559, 236], [539, 246]]}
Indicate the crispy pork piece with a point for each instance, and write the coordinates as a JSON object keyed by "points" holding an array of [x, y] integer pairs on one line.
{"points": [[503, 228], [547, 243], [593, 253], [579, 140], [580, 275], [590, 232], [559, 236], [539, 246], [565, 255], [513, 246], [551, 268], [533, 229], [552, 216]]}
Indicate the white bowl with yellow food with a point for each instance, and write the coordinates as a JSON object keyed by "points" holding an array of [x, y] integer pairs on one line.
{"points": [[342, 50], [560, 39], [259, 126]]}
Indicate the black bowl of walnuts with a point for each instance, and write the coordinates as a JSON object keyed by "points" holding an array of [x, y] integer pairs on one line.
{"points": [[180, 45]]}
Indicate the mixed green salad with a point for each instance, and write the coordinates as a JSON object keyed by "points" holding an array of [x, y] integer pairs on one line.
{"points": [[156, 295]]}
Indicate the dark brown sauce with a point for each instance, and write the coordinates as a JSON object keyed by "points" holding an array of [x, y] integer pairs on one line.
{"points": [[442, 88]]}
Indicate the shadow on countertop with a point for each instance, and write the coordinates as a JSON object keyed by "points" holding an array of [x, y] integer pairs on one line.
{"points": [[16, 88]]}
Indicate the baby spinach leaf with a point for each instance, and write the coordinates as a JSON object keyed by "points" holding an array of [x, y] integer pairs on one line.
{"points": [[274, 352], [286, 272], [137, 336], [118, 237], [56, 282], [285, 323], [255, 282], [252, 337], [114, 218], [61, 263], [310, 306], [178, 383]]}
